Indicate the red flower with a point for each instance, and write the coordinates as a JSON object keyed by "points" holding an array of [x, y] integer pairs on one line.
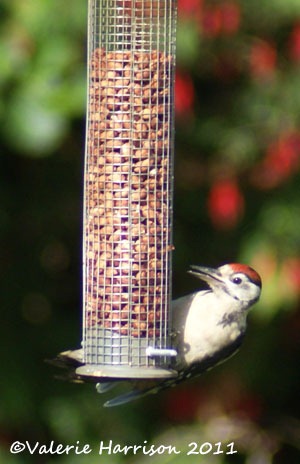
{"points": [[184, 94], [211, 21], [263, 58], [291, 272], [281, 161], [225, 204], [231, 17], [294, 43], [189, 8], [223, 18]]}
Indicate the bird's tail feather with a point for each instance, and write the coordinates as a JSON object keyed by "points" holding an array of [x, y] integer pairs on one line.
{"points": [[103, 387], [127, 397]]}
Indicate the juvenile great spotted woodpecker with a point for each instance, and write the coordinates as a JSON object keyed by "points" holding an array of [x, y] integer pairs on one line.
{"points": [[208, 327]]}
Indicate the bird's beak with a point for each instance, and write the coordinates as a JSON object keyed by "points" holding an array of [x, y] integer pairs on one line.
{"points": [[207, 274]]}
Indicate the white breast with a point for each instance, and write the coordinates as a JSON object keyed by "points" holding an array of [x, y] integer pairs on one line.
{"points": [[201, 331]]}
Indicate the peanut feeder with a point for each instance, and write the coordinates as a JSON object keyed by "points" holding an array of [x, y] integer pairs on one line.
{"points": [[128, 189]]}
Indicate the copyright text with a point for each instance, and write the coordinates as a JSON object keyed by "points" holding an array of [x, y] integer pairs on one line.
{"points": [[110, 448]]}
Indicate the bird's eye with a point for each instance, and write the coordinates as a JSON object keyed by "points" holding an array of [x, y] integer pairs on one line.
{"points": [[237, 280]]}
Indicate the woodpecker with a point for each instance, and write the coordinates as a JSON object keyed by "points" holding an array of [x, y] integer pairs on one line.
{"points": [[208, 327]]}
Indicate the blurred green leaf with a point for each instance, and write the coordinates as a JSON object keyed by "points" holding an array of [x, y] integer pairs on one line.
{"points": [[188, 43], [43, 130]]}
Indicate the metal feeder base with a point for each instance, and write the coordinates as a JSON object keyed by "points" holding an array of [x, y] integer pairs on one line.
{"points": [[109, 354], [124, 372]]}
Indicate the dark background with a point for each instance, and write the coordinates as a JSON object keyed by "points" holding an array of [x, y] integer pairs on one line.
{"points": [[236, 199]]}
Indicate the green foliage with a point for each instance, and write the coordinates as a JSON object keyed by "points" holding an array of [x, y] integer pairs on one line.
{"points": [[42, 73]]}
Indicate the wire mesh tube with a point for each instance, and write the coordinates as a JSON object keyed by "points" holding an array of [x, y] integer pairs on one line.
{"points": [[128, 187]]}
